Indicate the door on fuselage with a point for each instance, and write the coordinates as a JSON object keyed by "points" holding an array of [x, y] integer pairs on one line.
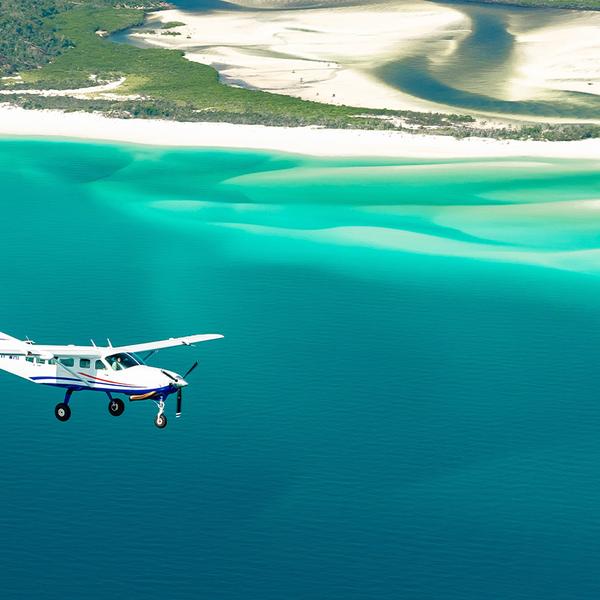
{"points": [[96, 369]]}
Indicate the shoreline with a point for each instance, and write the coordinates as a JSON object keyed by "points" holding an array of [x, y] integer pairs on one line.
{"points": [[311, 141]]}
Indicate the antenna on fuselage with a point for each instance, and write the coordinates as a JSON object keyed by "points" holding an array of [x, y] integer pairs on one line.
{"points": [[93, 343], [109, 343]]}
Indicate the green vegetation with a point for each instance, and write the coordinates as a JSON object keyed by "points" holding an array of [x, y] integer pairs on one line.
{"points": [[171, 24], [28, 37], [430, 123], [26, 40], [168, 86]]}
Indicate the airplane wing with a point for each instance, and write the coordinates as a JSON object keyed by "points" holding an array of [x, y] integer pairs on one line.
{"points": [[170, 343]]}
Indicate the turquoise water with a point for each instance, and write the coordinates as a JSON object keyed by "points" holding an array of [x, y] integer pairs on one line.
{"points": [[405, 404]]}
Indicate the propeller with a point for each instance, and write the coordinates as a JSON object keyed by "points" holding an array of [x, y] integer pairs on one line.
{"points": [[179, 399], [191, 369], [169, 375], [180, 391]]}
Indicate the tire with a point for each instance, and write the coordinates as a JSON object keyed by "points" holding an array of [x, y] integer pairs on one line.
{"points": [[160, 421], [116, 406], [62, 412]]}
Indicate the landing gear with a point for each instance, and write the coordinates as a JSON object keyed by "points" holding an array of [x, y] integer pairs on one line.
{"points": [[62, 411], [116, 406], [161, 419]]}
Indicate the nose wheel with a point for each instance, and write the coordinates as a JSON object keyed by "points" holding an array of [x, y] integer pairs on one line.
{"points": [[161, 419]]}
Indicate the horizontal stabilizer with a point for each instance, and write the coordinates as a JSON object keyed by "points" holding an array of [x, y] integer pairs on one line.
{"points": [[11, 345], [4, 337]]}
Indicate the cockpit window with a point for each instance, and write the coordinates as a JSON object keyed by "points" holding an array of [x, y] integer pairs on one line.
{"points": [[123, 360]]}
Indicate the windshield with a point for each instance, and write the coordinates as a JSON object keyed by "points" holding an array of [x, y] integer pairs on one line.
{"points": [[123, 360]]}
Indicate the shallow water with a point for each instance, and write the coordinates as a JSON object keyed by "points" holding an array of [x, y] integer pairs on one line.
{"points": [[474, 72], [405, 404]]}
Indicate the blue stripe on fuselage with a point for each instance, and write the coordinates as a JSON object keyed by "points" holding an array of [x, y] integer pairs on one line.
{"points": [[90, 383], [97, 388]]}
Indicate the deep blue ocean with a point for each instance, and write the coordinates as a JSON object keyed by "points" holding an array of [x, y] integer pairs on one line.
{"points": [[405, 404]]}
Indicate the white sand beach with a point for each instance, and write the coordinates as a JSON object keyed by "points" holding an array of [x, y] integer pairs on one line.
{"points": [[106, 91], [301, 140], [563, 56], [332, 54], [325, 54], [86, 92]]}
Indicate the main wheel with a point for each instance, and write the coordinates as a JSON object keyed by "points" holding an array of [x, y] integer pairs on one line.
{"points": [[62, 412], [161, 421], [116, 406]]}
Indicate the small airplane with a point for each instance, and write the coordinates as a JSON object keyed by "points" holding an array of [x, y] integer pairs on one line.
{"points": [[110, 370]]}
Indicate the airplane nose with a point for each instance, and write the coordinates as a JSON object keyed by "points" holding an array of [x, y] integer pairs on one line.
{"points": [[178, 380], [174, 379]]}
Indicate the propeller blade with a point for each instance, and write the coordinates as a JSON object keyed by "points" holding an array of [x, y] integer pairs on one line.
{"points": [[191, 369], [169, 375], [179, 399]]}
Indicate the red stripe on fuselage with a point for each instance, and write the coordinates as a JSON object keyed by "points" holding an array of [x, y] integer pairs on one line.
{"points": [[109, 381]]}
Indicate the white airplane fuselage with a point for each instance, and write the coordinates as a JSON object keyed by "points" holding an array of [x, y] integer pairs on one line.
{"points": [[93, 373]]}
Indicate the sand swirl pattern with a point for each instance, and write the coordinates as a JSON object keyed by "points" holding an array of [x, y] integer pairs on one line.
{"points": [[493, 61]]}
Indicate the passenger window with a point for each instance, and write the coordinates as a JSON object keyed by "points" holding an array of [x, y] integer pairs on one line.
{"points": [[84, 363], [40, 361], [68, 362], [100, 365], [29, 358]]}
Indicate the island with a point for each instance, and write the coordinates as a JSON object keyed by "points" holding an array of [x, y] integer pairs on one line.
{"points": [[58, 54]]}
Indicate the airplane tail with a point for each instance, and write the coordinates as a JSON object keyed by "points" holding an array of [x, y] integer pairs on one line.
{"points": [[8, 340], [5, 336]]}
